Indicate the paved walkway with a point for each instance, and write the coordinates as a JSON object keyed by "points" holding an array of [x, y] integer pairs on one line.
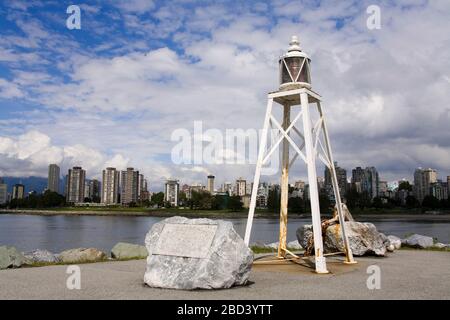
{"points": [[405, 274]]}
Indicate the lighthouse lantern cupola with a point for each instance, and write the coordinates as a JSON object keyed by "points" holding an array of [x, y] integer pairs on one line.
{"points": [[294, 67]]}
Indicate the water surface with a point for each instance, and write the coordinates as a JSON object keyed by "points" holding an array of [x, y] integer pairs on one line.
{"points": [[57, 233]]}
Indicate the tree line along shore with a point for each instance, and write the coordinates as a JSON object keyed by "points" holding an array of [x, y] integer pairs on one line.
{"points": [[124, 211]]}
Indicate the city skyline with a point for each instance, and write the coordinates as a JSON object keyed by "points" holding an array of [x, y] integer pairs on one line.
{"points": [[56, 104], [130, 184]]}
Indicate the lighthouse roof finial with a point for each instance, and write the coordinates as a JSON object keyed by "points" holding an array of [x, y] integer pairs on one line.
{"points": [[294, 44]]}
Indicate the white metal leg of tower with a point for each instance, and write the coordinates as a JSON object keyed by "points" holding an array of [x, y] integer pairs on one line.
{"points": [[309, 150]]}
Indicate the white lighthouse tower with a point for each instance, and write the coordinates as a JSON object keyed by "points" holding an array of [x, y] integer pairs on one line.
{"points": [[311, 142]]}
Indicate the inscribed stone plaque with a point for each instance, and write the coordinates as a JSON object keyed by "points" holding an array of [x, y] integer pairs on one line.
{"points": [[185, 240]]}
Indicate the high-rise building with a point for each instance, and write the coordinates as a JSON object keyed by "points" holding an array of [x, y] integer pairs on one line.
{"points": [[241, 187], [198, 188], [423, 178], [439, 190], [341, 175], [53, 178], [87, 189], [358, 186], [110, 183], [129, 186], [358, 175], [383, 189], [75, 185], [366, 180], [210, 184], [94, 190], [143, 188], [448, 185], [185, 189], [249, 188], [171, 192], [299, 185], [373, 181], [3, 192], [228, 188], [262, 196], [18, 191], [321, 183]]}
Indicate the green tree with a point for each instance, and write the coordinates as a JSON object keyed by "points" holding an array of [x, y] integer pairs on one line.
{"points": [[364, 200], [405, 185], [273, 200], [182, 199], [352, 198], [235, 203], [158, 199], [447, 203], [430, 202], [377, 203], [206, 201], [411, 202], [296, 205], [52, 199], [194, 201], [324, 203]]}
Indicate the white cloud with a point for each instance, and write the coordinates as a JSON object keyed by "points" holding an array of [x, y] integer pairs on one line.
{"points": [[9, 90], [32, 152], [134, 6], [118, 161]]}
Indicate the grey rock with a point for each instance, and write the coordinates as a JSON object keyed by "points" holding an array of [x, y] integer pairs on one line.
{"points": [[294, 245], [257, 244], [303, 234], [222, 260], [273, 245], [390, 248], [418, 241], [80, 255], [395, 241], [363, 237], [43, 256], [440, 245], [385, 239], [124, 250], [11, 258]]}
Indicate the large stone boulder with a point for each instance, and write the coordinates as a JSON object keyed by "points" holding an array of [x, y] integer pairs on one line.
{"points": [[124, 250], [196, 254], [418, 241], [387, 243], [395, 241], [41, 256], [363, 237], [81, 255], [11, 258], [304, 233]]}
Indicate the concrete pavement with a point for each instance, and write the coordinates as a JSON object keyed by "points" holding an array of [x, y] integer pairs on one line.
{"points": [[405, 274]]}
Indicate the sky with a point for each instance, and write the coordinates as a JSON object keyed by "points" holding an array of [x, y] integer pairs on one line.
{"points": [[113, 92]]}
